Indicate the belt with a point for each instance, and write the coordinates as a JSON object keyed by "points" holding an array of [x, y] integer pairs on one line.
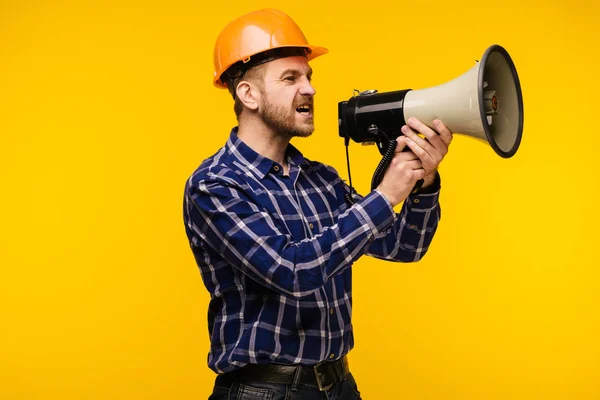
{"points": [[323, 375]]}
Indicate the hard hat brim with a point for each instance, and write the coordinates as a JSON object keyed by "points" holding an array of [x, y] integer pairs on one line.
{"points": [[315, 51]]}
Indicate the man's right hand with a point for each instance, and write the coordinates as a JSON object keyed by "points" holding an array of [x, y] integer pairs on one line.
{"points": [[402, 174]]}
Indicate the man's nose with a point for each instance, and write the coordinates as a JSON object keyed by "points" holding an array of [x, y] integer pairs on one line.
{"points": [[307, 88]]}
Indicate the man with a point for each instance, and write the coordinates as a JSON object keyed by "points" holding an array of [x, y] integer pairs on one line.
{"points": [[272, 234]]}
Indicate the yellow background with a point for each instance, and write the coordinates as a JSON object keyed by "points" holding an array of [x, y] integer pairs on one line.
{"points": [[107, 107]]}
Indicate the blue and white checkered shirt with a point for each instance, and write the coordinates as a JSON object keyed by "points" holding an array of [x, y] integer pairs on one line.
{"points": [[275, 252]]}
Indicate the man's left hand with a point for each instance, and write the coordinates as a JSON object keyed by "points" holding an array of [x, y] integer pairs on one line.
{"points": [[432, 149]]}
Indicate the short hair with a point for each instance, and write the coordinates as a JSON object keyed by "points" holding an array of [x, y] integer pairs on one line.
{"points": [[255, 74]]}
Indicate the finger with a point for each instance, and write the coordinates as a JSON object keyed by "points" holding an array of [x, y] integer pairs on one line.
{"points": [[401, 144], [414, 164], [408, 165], [420, 153], [418, 174], [443, 130], [406, 156], [422, 143], [434, 139]]}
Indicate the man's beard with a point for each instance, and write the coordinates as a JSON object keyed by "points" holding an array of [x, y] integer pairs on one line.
{"points": [[282, 120]]}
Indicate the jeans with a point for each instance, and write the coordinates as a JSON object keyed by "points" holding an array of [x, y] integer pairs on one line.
{"points": [[345, 390]]}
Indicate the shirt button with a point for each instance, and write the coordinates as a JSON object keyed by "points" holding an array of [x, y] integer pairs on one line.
{"points": [[331, 355], [412, 227], [331, 311], [417, 201], [311, 225], [276, 168]]}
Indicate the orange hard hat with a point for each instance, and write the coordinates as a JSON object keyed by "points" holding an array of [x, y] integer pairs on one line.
{"points": [[246, 40]]}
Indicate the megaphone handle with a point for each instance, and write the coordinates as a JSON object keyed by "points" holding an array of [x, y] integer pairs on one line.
{"points": [[385, 163]]}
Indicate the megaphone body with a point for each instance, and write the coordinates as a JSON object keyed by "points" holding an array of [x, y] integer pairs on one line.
{"points": [[485, 103]]}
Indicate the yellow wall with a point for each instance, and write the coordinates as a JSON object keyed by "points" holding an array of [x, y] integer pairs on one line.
{"points": [[107, 107]]}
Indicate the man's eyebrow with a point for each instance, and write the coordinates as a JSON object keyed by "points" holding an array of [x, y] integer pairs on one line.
{"points": [[296, 72]]}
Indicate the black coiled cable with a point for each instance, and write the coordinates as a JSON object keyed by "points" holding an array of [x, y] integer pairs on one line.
{"points": [[388, 155]]}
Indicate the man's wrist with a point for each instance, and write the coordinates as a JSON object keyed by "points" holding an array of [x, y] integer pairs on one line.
{"points": [[431, 183], [430, 178], [390, 199]]}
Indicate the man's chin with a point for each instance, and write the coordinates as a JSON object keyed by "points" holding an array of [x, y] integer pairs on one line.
{"points": [[305, 131], [303, 134]]}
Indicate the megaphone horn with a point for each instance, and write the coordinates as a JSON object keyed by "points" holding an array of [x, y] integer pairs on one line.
{"points": [[485, 103]]}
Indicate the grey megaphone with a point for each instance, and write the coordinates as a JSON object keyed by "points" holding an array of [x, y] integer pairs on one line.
{"points": [[484, 103]]}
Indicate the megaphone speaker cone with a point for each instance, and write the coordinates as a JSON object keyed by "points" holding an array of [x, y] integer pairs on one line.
{"points": [[485, 103]]}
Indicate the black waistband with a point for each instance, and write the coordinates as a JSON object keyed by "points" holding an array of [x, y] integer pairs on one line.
{"points": [[323, 375]]}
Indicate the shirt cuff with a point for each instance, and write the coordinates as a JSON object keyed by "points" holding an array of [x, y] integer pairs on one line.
{"points": [[376, 211], [426, 198]]}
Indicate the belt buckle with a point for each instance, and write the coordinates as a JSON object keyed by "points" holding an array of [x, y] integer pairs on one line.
{"points": [[318, 377]]}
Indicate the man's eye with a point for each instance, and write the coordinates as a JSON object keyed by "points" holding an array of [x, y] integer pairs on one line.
{"points": [[289, 78]]}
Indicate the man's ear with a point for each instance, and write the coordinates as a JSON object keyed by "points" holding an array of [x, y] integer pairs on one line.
{"points": [[248, 94]]}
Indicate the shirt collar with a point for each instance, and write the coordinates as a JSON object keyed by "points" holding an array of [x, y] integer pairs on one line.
{"points": [[254, 162]]}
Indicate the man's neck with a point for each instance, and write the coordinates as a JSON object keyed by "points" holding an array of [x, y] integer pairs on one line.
{"points": [[262, 140]]}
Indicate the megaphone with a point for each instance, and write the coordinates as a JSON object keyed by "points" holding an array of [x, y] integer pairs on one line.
{"points": [[485, 103]]}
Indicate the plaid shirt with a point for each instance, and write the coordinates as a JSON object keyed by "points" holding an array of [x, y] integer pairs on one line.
{"points": [[275, 253]]}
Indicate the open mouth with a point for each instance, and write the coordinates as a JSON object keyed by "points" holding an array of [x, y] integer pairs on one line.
{"points": [[304, 109]]}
